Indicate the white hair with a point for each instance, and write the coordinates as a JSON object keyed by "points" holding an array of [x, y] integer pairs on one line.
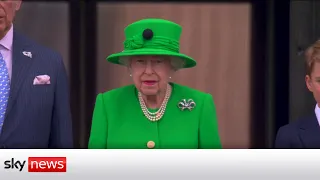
{"points": [[176, 63]]}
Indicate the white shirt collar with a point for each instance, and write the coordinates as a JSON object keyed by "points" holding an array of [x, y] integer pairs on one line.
{"points": [[317, 111]]}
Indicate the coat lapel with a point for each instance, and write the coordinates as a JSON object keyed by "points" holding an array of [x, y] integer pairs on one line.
{"points": [[309, 132], [20, 68]]}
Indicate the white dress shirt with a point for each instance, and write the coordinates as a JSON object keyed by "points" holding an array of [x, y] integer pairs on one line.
{"points": [[317, 111]]}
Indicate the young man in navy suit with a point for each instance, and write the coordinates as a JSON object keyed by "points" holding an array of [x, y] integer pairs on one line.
{"points": [[34, 94], [305, 133]]}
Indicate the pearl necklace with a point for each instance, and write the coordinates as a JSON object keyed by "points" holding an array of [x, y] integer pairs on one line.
{"points": [[155, 116]]}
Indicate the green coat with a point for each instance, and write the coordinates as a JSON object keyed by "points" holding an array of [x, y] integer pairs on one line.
{"points": [[119, 123]]}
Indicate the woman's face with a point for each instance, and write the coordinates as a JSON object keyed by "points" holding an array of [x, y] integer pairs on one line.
{"points": [[150, 74]]}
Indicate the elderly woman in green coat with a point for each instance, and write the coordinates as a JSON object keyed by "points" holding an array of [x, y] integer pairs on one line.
{"points": [[153, 113]]}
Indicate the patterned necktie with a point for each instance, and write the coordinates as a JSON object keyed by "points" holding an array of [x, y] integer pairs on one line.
{"points": [[4, 89]]}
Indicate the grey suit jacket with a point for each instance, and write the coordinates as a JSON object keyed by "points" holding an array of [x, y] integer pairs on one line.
{"points": [[37, 116]]}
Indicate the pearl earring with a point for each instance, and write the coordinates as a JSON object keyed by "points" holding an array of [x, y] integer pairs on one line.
{"points": [[130, 75], [170, 77]]}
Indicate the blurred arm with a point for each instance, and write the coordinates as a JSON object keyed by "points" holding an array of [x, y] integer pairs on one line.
{"points": [[99, 129], [208, 129], [61, 136]]}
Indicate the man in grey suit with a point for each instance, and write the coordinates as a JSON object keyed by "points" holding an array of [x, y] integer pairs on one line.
{"points": [[34, 94]]}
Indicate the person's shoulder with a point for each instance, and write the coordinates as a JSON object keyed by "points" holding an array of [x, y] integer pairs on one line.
{"points": [[293, 127], [297, 124], [38, 48], [290, 127], [185, 90], [287, 135], [118, 92]]}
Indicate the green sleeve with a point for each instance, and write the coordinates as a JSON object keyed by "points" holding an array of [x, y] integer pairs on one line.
{"points": [[208, 130], [99, 127]]}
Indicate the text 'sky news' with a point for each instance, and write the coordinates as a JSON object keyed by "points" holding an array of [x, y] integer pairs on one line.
{"points": [[38, 164]]}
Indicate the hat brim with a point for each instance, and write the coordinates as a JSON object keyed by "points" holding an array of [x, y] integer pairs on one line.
{"points": [[188, 61]]}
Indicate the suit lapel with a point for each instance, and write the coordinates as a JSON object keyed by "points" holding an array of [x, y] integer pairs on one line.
{"points": [[309, 132], [20, 66]]}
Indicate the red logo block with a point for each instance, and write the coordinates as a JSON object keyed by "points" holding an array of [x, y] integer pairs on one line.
{"points": [[47, 164]]}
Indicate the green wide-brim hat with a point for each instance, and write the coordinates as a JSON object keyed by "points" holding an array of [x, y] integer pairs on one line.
{"points": [[152, 37]]}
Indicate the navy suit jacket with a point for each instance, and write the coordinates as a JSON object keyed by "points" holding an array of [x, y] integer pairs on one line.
{"points": [[37, 116], [304, 133]]}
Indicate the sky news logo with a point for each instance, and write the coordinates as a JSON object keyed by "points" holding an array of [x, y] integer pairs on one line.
{"points": [[38, 164]]}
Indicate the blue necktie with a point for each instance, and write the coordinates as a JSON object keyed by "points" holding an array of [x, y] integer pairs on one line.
{"points": [[4, 89]]}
